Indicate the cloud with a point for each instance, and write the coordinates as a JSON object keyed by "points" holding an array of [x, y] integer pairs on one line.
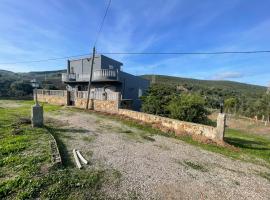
{"points": [[227, 75]]}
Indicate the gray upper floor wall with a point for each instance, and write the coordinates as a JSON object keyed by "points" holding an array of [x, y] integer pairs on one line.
{"points": [[104, 69], [83, 66]]}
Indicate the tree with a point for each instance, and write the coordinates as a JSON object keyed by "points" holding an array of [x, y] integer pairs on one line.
{"points": [[188, 107], [20, 88], [263, 106], [157, 98], [230, 104]]}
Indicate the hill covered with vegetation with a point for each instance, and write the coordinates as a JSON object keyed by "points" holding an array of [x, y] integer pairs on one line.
{"points": [[18, 84], [245, 99], [217, 86], [238, 98]]}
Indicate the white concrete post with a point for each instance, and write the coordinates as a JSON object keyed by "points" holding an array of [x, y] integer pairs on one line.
{"points": [[221, 123], [119, 98], [37, 116], [37, 113]]}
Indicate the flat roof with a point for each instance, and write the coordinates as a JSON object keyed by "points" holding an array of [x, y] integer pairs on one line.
{"points": [[96, 56]]}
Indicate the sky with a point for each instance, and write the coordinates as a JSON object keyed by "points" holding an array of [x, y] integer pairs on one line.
{"points": [[41, 29]]}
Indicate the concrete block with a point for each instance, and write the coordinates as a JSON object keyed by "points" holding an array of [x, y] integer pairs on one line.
{"points": [[37, 116], [221, 123]]}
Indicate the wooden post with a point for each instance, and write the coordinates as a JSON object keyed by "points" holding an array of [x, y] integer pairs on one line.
{"points": [[90, 78]]}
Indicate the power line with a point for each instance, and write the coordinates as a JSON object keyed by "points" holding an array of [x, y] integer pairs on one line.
{"points": [[102, 22], [186, 53], [143, 53], [67, 57], [44, 60]]}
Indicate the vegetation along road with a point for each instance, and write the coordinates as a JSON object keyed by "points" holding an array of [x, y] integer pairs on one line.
{"points": [[127, 160]]}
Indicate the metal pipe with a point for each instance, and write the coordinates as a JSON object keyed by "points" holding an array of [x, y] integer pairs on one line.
{"points": [[81, 157], [77, 159]]}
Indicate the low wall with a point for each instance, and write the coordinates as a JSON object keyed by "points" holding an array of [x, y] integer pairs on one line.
{"points": [[109, 106], [112, 106], [58, 100], [179, 127], [98, 105]]}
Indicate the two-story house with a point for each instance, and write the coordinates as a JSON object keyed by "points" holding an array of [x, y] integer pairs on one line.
{"points": [[107, 76]]}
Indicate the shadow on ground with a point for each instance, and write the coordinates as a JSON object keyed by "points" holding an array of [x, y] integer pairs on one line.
{"points": [[66, 160], [247, 144]]}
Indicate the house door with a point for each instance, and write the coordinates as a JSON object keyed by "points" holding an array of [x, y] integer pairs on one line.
{"points": [[71, 95]]}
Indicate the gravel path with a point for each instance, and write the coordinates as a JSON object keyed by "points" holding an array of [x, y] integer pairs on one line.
{"points": [[159, 167]]}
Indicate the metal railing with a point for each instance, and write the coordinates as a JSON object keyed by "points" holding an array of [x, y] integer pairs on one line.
{"points": [[98, 75], [60, 93], [99, 95]]}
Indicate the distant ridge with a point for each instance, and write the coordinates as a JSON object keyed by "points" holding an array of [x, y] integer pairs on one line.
{"points": [[48, 78], [196, 84]]}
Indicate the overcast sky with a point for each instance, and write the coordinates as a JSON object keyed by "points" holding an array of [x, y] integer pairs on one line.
{"points": [[40, 29]]}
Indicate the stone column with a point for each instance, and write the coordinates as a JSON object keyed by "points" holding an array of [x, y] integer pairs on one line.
{"points": [[118, 100], [66, 96], [36, 113], [221, 123], [37, 116]]}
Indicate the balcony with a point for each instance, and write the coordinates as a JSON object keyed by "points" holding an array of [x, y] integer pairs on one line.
{"points": [[98, 76]]}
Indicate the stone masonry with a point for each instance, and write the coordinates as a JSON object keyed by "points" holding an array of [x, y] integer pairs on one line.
{"points": [[177, 126]]}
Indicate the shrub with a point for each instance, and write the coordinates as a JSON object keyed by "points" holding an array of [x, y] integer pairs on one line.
{"points": [[188, 107], [157, 98]]}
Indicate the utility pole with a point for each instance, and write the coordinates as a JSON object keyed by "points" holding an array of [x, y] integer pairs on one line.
{"points": [[90, 78], [153, 79]]}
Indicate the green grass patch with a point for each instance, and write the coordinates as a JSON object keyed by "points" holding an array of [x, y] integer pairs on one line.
{"points": [[88, 138], [26, 170], [252, 147], [265, 175], [195, 166]]}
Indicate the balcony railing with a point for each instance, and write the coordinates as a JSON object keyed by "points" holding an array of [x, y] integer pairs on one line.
{"points": [[98, 75], [109, 95]]}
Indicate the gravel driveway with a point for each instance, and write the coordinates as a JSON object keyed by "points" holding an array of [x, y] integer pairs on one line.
{"points": [[158, 167]]}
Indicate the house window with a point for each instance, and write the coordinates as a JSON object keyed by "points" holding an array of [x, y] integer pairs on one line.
{"points": [[140, 92]]}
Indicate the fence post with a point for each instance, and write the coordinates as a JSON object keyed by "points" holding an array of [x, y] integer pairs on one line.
{"points": [[118, 101], [220, 129]]}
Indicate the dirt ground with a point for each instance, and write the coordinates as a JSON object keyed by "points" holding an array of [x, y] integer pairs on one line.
{"points": [[158, 167]]}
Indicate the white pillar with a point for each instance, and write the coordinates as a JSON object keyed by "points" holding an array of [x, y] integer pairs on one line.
{"points": [[37, 116], [221, 123]]}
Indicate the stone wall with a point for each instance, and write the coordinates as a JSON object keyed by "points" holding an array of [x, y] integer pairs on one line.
{"points": [[109, 106], [163, 123], [178, 127], [98, 105], [58, 100]]}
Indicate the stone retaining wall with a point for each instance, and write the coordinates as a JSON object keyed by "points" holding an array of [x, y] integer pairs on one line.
{"points": [[98, 105], [178, 127], [58, 100]]}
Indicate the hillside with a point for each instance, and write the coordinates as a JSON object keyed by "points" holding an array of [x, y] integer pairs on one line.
{"points": [[52, 79], [201, 85], [11, 83]]}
